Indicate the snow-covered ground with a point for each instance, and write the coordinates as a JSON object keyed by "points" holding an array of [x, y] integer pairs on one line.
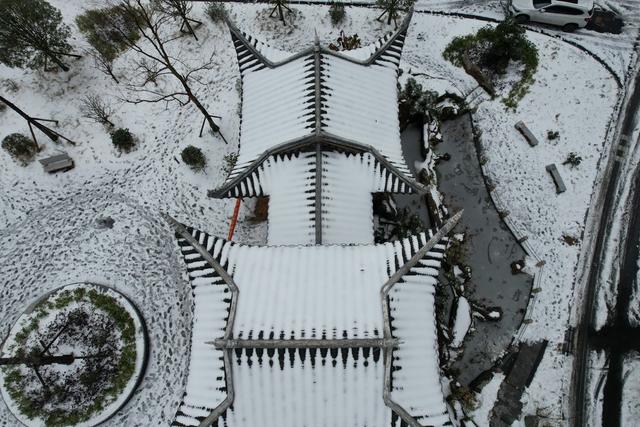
{"points": [[611, 48], [48, 223]]}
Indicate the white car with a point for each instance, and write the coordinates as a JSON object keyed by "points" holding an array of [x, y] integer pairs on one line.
{"points": [[568, 14]]}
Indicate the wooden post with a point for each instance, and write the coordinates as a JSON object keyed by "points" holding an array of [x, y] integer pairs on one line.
{"points": [[234, 219], [202, 127], [218, 129], [33, 135]]}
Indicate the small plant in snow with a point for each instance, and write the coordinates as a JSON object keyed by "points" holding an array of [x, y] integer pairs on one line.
{"points": [[553, 135], [94, 108], [230, 162], [570, 240], [194, 157], [573, 160], [337, 13], [10, 85], [19, 147], [216, 12], [123, 140], [345, 42]]}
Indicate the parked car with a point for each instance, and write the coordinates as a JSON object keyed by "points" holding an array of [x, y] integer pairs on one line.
{"points": [[568, 14]]}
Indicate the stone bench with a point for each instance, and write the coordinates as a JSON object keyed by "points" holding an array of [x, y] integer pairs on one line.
{"points": [[528, 135], [57, 163], [557, 179]]}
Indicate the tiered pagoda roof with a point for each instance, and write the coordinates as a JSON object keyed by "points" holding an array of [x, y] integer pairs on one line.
{"points": [[313, 335], [321, 327]]}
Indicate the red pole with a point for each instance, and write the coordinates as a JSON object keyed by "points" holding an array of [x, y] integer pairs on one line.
{"points": [[234, 219]]}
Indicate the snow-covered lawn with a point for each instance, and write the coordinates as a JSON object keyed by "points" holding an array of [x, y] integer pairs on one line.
{"points": [[614, 49]]}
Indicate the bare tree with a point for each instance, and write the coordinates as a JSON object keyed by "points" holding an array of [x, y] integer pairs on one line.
{"points": [[104, 64], [180, 9], [94, 108], [155, 47]]}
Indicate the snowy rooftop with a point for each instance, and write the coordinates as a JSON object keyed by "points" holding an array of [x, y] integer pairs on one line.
{"points": [[321, 327], [317, 98], [345, 199], [319, 135], [294, 334]]}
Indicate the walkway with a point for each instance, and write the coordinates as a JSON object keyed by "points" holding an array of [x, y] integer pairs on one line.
{"points": [[491, 248], [508, 406]]}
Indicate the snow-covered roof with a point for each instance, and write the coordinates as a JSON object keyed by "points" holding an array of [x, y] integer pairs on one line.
{"points": [[341, 100], [312, 392], [360, 104], [341, 194], [355, 324]]}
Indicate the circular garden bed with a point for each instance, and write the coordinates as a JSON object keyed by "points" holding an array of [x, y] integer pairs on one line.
{"points": [[73, 358]]}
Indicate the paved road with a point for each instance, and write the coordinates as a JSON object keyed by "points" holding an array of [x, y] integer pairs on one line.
{"points": [[611, 184], [618, 334]]}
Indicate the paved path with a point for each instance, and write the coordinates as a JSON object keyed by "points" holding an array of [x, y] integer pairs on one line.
{"points": [[508, 407], [491, 250]]}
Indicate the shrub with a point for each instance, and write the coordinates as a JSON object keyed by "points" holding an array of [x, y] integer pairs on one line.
{"points": [[493, 49], [123, 140], [19, 147], [553, 134], [89, 322], [337, 13], [230, 162], [216, 12], [415, 103], [194, 157], [408, 224]]}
